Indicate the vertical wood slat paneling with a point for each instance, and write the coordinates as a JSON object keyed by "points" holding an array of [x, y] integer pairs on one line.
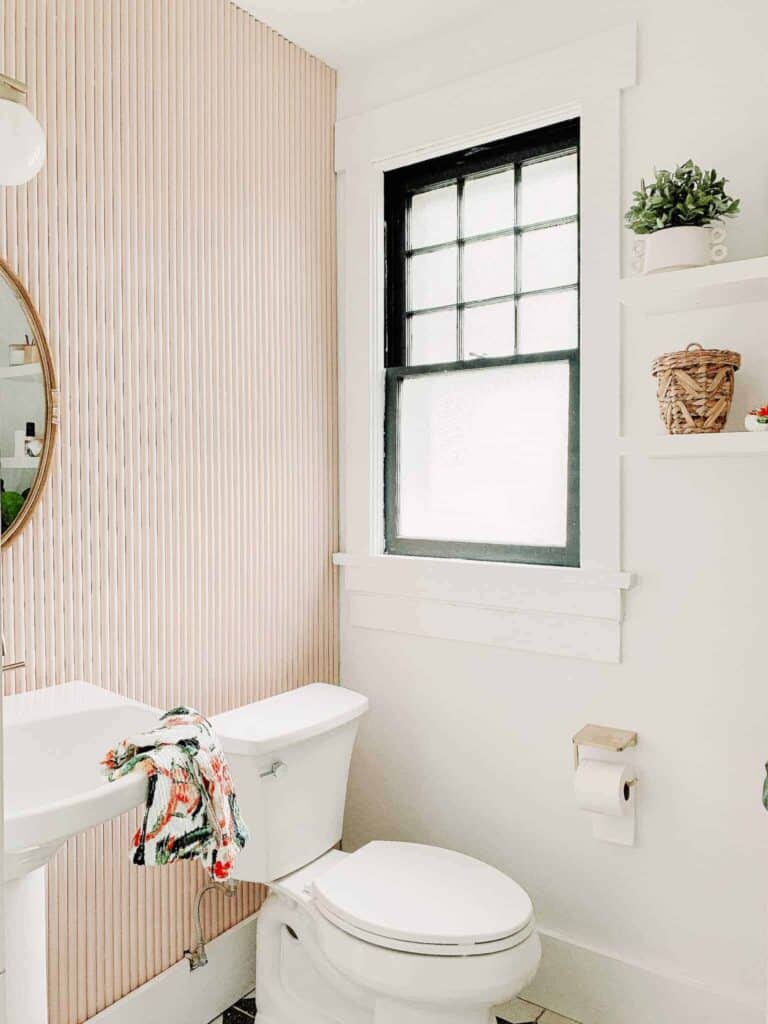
{"points": [[179, 244]]}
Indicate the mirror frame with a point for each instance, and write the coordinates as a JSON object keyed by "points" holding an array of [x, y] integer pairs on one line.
{"points": [[51, 405]]}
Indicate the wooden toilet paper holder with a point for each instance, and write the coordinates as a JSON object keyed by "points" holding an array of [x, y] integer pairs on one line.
{"points": [[605, 737]]}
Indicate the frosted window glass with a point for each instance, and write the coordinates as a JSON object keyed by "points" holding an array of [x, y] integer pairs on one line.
{"points": [[489, 203], [549, 257], [489, 268], [548, 322], [433, 217], [549, 189], [489, 331], [432, 279], [483, 455], [433, 338]]}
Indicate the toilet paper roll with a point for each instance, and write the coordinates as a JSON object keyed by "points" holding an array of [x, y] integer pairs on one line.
{"points": [[603, 787]]}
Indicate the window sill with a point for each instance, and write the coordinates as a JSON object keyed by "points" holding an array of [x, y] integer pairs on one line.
{"points": [[547, 578], [564, 611]]}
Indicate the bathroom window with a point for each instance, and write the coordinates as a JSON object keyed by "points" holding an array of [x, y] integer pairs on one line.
{"points": [[482, 352]]}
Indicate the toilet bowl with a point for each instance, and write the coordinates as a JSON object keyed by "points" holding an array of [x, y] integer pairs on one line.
{"points": [[394, 933]]}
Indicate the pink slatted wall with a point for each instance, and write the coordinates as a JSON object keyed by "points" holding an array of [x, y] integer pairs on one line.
{"points": [[179, 244]]}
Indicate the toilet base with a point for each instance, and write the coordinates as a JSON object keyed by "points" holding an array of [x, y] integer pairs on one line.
{"points": [[389, 1011], [393, 1013], [295, 981], [425, 1017]]}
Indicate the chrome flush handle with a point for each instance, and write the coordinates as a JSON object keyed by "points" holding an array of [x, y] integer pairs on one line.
{"points": [[276, 770]]}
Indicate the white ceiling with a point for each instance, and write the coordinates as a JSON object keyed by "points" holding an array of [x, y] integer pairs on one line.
{"points": [[344, 31]]}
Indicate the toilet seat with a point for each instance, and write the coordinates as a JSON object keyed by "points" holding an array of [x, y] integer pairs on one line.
{"points": [[423, 899], [429, 948]]}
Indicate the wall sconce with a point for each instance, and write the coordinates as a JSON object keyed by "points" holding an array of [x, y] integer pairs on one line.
{"points": [[22, 140]]}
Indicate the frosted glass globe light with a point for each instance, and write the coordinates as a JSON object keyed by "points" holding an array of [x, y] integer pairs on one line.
{"points": [[22, 140]]}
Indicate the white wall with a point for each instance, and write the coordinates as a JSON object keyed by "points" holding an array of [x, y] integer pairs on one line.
{"points": [[469, 745]]}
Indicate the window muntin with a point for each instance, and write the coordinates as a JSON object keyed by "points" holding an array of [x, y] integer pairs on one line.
{"points": [[482, 301]]}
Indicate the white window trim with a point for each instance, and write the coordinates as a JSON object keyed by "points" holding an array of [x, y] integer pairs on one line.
{"points": [[582, 80]]}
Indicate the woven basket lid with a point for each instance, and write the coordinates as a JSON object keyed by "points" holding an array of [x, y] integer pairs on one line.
{"points": [[695, 356]]}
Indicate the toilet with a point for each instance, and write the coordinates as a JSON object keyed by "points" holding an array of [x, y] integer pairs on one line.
{"points": [[394, 933]]}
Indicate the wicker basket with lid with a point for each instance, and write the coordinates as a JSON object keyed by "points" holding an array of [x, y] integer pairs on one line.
{"points": [[694, 388]]}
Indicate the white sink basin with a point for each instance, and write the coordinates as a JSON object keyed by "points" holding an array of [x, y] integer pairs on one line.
{"points": [[53, 742]]}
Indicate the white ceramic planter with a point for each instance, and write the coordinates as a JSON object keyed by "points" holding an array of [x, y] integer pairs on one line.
{"points": [[751, 423], [675, 248]]}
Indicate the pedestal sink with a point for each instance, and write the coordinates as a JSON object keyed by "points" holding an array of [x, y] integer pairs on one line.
{"points": [[53, 742]]}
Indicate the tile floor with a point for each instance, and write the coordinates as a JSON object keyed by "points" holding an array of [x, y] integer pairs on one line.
{"points": [[518, 1011], [243, 1012]]}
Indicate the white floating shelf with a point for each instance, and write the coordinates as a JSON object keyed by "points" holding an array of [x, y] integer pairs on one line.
{"points": [[697, 446], [720, 284], [27, 371], [23, 463]]}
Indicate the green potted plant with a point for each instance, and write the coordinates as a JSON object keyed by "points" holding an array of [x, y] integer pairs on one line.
{"points": [[678, 219], [10, 505]]}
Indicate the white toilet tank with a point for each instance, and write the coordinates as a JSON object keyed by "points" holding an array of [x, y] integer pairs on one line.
{"points": [[289, 757]]}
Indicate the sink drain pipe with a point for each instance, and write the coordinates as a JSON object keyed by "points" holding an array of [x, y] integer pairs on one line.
{"points": [[197, 956]]}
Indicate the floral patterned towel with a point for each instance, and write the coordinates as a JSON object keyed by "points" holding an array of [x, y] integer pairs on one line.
{"points": [[191, 807]]}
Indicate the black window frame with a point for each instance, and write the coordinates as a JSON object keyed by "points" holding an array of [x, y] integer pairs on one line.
{"points": [[399, 187]]}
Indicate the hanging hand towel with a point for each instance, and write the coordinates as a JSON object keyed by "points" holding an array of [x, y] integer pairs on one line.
{"points": [[191, 807]]}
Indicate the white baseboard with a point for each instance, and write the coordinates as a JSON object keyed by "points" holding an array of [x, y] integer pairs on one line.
{"points": [[596, 988], [194, 997]]}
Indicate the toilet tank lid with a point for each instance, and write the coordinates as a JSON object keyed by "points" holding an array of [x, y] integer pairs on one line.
{"points": [[287, 718]]}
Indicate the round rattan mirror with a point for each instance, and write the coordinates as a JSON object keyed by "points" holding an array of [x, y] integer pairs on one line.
{"points": [[28, 405]]}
